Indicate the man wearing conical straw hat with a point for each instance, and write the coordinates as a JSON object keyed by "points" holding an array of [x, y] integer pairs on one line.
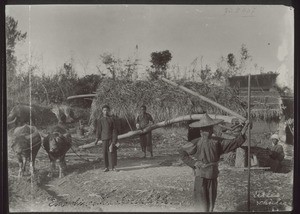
{"points": [[202, 155]]}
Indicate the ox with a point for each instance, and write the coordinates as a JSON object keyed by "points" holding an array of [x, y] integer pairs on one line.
{"points": [[26, 143], [57, 143]]}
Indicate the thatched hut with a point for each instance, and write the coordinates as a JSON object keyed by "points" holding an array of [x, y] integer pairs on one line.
{"points": [[258, 81], [164, 101], [269, 106], [267, 102]]}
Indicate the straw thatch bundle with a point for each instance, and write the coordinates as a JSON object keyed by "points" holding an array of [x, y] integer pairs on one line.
{"points": [[164, 101], [258, 81], [265, 105]]}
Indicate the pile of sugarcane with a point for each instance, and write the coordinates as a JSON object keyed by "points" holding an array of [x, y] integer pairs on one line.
{"points": [[164, 101]]}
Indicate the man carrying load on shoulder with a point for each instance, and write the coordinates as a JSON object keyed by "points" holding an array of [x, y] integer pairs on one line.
{"points": [[202, 155]]}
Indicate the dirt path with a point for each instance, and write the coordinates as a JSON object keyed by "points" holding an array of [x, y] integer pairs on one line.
{"points": [[159, 184]]}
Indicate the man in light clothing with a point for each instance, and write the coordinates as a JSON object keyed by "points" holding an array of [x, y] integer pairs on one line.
{"points": [[143, 120]]}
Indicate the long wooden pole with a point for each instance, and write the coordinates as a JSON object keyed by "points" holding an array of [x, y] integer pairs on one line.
{"points": [[162, 124], [205, 99], [249, 139], [82, 96]]}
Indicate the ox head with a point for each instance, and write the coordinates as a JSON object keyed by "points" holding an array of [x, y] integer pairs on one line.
{"points": [[54, 142]]}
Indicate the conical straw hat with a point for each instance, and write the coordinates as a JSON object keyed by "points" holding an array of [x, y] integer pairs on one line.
{"points": [[206, 121]]}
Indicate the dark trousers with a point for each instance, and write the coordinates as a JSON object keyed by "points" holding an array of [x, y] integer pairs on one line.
{"points": [[146, 142], [205, 194], [110, 158], [275, 165]]}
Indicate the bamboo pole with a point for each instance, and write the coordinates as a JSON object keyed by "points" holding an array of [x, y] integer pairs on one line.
{"points": [[81, 96], [162, 124], [205, 99], [249, 139]]}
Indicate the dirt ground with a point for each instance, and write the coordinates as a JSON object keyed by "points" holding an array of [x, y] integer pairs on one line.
{"points": [[159, 184]]}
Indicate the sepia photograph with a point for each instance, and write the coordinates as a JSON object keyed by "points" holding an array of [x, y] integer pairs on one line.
{"points": [[150, 108]]}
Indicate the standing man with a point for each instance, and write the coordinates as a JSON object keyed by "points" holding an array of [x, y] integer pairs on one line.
{"points": [[107, 132], [276, 154], [143, 120], [206, 152]]}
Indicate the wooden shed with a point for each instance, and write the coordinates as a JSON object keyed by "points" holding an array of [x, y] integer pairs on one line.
{"points": [[268, 109], [266, 101], [258, 81]]}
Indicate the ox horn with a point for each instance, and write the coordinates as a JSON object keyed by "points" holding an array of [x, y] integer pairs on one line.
{"points": [[56, 133], [44, 135], [12, 122], [67, 135]]}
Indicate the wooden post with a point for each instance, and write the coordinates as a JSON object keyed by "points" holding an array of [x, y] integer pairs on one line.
{"points": [[249, 139], [240, 158]]}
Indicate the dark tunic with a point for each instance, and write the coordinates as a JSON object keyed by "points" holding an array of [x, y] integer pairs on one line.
{"points": [[208, 152], [107, 132], [145, 139], [106, 129], [277, 152], [277, 156]]}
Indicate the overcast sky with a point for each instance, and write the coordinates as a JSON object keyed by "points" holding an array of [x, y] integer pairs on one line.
{"points": [[57, 32]]}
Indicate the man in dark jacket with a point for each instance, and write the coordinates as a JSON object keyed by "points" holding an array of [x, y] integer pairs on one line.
{"points": [[202, 155], [107, 132], [143, 120]]}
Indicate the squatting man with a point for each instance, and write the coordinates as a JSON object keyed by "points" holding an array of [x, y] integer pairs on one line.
{"points": [[276, 153], [203, 154]]}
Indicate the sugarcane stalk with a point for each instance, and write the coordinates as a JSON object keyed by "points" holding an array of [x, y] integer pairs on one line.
{"points": [[162, 124], [204, 99]]}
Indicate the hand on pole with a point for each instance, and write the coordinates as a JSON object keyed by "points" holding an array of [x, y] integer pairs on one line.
{"points": [[137, 126], [198, 164], [247, 122], [111, 148]]}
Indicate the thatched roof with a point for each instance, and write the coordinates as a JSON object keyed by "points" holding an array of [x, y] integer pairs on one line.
{"points": [[265, 104], [164, 101], [258, 81]]}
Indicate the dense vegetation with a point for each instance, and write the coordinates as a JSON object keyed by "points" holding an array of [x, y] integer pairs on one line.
{"points": [[118, 84]]}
